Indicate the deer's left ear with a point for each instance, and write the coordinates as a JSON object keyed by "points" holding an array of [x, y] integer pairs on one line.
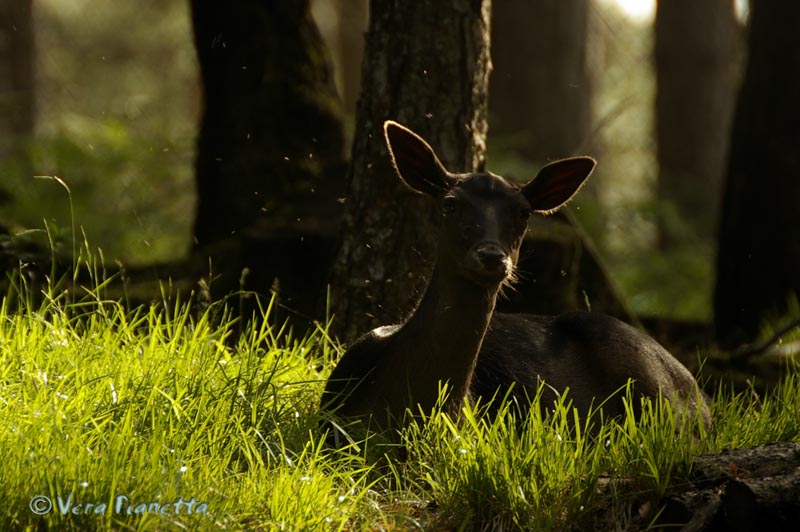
{"points": [[415, 161], [556, 183]]}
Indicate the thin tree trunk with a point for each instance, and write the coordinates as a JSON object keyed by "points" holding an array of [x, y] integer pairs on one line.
{"points": [[427, 67], [343, 24], [353, 18], [758, 262], [695, 57]]}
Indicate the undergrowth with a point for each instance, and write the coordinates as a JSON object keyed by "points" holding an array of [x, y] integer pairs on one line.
{"points": [[166, 418]]}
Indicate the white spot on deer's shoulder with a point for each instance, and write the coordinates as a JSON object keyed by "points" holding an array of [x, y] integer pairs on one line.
{"points": [[385, 331]]}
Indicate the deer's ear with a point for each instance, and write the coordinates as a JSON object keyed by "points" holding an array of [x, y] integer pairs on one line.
{"points": [[556, 183], [415, 161]]}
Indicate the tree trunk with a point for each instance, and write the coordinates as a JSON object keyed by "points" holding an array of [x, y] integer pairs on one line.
{"points": [[17, 111], [695, 58], [758, 261], [540, 90], [428, 68], [270, 151]]}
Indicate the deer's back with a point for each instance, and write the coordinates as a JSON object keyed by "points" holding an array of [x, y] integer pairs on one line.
{"points": [[594, 355]]}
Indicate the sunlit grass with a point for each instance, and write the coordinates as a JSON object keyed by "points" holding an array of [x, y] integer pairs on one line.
{"points": [[167, 403], [159, 404]]}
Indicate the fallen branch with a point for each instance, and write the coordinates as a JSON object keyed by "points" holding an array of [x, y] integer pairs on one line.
{"points": [[745, 489], [749, 350]]}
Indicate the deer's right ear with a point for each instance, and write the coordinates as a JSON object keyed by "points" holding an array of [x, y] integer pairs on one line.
{"points": [[415, 161], [556, 183]]}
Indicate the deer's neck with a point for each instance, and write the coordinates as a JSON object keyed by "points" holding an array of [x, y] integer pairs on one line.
{"points": [[444, 336]]}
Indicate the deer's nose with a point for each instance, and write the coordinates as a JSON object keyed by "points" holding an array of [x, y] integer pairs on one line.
{"points": [[490, 255]]}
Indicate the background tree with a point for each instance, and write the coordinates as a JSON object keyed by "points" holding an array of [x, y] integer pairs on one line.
{"points": [[540, 108], [342, 24], [758, 263], [16, 79], [353, 17], [540, 86], [270, 151], [427, 67], [695, 60]]}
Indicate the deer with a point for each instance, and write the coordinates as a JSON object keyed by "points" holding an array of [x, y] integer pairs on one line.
{"points": [[454, 339]]}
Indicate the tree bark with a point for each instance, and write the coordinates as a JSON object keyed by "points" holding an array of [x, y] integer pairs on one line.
{"points": [[17, 109], [758, 260], [695, 59], [270, 161], [428, 68]]}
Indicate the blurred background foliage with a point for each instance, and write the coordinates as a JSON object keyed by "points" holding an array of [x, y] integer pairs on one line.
{"points": [[117, 103], [117, 107]]}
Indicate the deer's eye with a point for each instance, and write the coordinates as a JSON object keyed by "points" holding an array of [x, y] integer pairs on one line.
{"points": [[449, 205]]}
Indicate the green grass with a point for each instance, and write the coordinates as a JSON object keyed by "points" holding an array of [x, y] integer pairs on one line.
{"points": [[166, 403]]}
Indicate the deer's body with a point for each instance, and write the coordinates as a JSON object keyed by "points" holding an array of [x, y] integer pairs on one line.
{"points": [[455, 338], [592, 354]]}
